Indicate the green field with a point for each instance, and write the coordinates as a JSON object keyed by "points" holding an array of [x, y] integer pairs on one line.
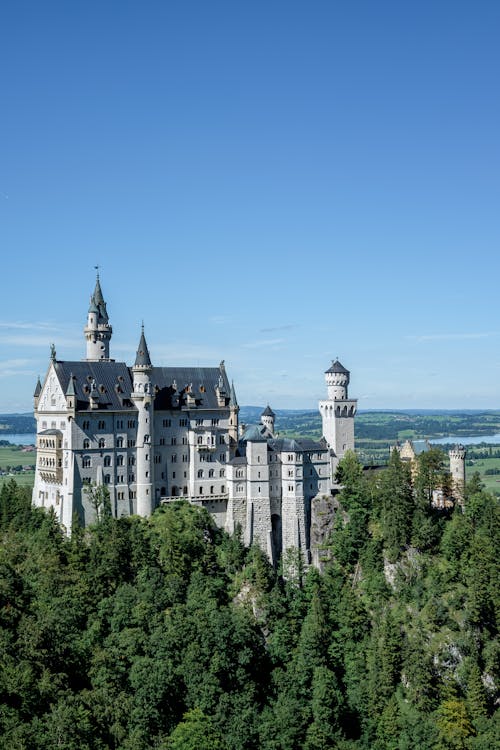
{"points": [[12, 456]]}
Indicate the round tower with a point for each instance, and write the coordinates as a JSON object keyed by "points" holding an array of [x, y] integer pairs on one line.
{"points": [[142, 398], [457, 470], [267, 419], [337, 380], [98, 329]]}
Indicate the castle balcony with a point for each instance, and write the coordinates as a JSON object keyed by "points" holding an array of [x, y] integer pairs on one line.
{"points": [[203, 447], [194, 499]]}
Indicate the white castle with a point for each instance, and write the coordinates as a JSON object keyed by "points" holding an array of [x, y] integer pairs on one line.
{"points": [[153, 435]]}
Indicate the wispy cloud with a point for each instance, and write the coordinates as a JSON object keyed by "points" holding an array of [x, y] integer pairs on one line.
{"points": [[287, 327], [38, 326], [36, 340], [263, 343], [451, 336], [13, 367]]}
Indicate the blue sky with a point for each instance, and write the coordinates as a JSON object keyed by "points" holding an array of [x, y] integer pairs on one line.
{"points": [[271, 183]]}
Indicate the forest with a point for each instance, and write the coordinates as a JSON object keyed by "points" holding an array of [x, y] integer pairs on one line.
{"points": [[168, 634]]}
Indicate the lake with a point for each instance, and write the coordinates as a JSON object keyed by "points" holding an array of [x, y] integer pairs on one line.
{"points": [[15, 439], [470, 440]]}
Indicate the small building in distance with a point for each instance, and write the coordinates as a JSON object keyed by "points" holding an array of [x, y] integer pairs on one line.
{"points": [[410, 450]]}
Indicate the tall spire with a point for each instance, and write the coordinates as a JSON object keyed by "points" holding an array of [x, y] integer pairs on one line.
{"points": [[142, 358], [98, 330], [233, 401]]}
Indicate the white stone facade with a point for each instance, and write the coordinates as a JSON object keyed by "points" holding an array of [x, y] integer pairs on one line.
{"points": [[152, 435]]}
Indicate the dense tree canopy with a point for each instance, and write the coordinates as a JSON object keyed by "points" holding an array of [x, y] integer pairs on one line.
{"points": [[168, 634]]}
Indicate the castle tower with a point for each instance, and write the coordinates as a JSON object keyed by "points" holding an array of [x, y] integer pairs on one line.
{"points": [[142, 397], [98, 329], [267, 419], [457, 470], [338, 410]]}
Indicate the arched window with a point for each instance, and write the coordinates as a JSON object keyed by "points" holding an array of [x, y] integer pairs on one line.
{"points": [[211, 473], [119, 460], [102, 443], [200, 439], [107, 460], [86, 444], [119, 442], [200, 473], [211, 489], [86, 462]]}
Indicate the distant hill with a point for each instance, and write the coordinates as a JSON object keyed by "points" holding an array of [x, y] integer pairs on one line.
{"points": [[19, 423]]}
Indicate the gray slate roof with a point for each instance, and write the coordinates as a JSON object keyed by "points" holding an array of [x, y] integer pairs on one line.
{"points": [[337, 367], [282, 445], [268, 412], [115, 384]]}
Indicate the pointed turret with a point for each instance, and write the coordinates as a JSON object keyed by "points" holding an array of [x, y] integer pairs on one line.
{"points": [[233, 416], [267, 419], [71, 393], [70, 390], [98, 330], [233, 401], [36, 395], [142, 358], [143, 400]]}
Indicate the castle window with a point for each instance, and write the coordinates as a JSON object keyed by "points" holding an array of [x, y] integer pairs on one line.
{"points": [[86, 463], [101, 424], [215, 422], [167, 422], [86, 424], [119, 442], [211, 473], [146, 457], [102, 443], [174, 458], [119, 424], [107, 479], [146, 438], [162, 441], [173, 441], [131, 423], [184, 441], [184, 457], [119, 460], [201, 490], [130, 443], [221, 473], [185, 490], [107, 460], [290, 488], [211, 489], [86, 444], [131, 477], [199, 422], [183, 422], [200, 439], [200, 473], [221, 439], [222, 489]]}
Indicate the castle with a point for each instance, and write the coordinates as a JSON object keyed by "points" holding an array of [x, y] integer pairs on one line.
{"points": [[153, 434]]}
